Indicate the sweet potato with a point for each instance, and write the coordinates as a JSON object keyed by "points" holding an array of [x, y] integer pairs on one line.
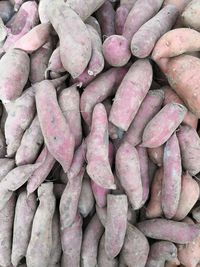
{"points": [[160, 252], [57, 135], [6, 10], [71, 239], [177, 232], [116, 223], [92, 21], [20, 114], [30, 145], [41, 173], [103, 259], [91, 237], [78, 44], [128, 3], [6, 165], [56, 248], [93, 94], [105, 16], [145, 38], [98, 157], [190, 146], [6, 227], [179, 4], [39, 62], [86, 199], [116, 50], [15, 75], [168, 118], [39, 248], [69, 99], [171, 183], [68, 204], [131, 93], [120, 18], [154, 207], [156, 155], [128, 171], [190, 15], [188, 197], [187, 40], [55, 63], [171, 96], [133, 22], [24, 214], [152, 102], [183, 81], [96, 63], [136, 247], [26, 18]]}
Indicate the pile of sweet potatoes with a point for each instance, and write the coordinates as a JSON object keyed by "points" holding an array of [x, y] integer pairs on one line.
{"points": [[99, 138]]}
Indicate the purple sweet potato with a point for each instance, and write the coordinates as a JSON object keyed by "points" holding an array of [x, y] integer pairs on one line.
{"points": [[148, 109], [131, 93], [98, 167], [93, 94], [6, 227], [15, 75], [100, 194], [40, 244], [55, 63], [177, 232], [57, 135], [91, 237], [116, 223], [24, 214], [171, 183], [168, 119], [128, 171], [145, 38], [190, 146], [69, 99], [69, 200], [30, 145], [120, 18], [136, 247]]}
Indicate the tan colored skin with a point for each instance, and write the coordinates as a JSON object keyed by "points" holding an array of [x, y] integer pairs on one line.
{"points": [[168, 119], [184, 82], [190, 146], [103, 259], [6, 165], [156, 155], [20, 115], [116, 223], [69, 102], [34, 39], [91, 237], [187, 40], [131, 93], [39, 248], [98, 157], [15, 75], [56, 248], [6, 227], [149, 108], [57, 135], [24, 214], [162, 229], [41, 173], [128, 171], [69, 200], [190, 15], [145, 38], [136, 248], [78, 44], [71, 239], [171, 183], [188, 197], [30, 145], [154, 208], [171, 96], [39, 62], [86, 199]]}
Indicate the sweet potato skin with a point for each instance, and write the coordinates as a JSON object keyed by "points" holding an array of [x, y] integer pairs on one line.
{"points": [[156, 155], [180, 4], [120, 18], [191, 14]]}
